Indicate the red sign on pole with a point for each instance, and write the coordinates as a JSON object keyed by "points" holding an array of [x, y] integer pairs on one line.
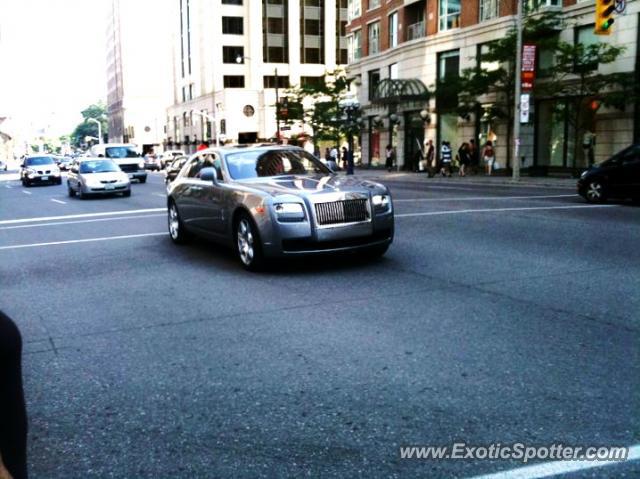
{"points": [[528, 74]]}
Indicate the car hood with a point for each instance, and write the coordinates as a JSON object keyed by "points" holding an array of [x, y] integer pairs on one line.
{"points": [[106, 176], [308, 185]]}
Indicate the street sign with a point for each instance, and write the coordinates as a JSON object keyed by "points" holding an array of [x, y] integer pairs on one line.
{"points": [[528, 73], [525, 107]]}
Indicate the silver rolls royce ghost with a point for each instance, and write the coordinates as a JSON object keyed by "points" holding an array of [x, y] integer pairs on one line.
{"points": [[277, 201]]}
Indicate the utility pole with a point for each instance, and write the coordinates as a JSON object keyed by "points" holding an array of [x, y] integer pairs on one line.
{"points": [[518, 91], [277, 107]]}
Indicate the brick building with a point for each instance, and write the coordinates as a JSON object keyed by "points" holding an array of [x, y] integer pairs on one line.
{"points": [[393, 41]]}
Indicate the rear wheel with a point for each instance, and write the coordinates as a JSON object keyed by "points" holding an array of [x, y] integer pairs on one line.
{"points": [[595, 192], [143, 180], [248, 244], [81, 194], [71, 191], [127, 193], [176, 229]]}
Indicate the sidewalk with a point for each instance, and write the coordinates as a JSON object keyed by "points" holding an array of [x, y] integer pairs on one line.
{"points": [[408, 177]]}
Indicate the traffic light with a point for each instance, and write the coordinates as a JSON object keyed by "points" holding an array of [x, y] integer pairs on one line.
{"points": [[604, 16]]}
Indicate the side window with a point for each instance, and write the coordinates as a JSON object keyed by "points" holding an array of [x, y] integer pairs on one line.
{"points": [[192, 168], [631, 156]]}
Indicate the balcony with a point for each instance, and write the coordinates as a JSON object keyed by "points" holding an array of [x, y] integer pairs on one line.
{"points": [[415, 31]]}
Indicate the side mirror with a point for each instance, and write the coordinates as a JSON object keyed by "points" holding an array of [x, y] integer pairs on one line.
{"points": [[208, 174]]}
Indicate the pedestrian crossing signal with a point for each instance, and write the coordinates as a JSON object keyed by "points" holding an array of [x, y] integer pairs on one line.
{"points": [[604, 16]]}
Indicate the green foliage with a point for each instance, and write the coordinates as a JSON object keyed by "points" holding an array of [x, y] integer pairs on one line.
{"points": [[96, 111], [326, 116]]}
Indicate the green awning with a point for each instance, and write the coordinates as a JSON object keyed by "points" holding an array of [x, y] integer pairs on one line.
{"points": [[400, 91]]}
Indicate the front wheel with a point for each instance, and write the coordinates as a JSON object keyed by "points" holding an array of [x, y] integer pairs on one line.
{"points": [[595, 192], [248, 244], [143, 180], [71, 191], [127, 193], [376, 251]]}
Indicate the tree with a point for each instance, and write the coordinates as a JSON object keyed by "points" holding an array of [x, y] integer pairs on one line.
{"points": [[84, 129], [476, 83], [325, 114]]}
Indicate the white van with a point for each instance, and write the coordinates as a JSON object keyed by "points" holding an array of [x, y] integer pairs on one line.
{"points": [[126, 155]]}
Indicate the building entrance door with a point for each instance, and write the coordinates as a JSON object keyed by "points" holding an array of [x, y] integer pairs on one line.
{"points": [[413, 140]]}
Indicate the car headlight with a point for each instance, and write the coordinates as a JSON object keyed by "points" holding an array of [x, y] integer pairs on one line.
{"points": [[289, 211], [381, 203], [141, 165]]}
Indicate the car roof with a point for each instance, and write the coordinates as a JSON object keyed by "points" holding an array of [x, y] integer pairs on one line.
{"points": [[225, 150]]}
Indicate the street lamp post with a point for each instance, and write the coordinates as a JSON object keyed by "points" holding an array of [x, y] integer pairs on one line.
{"points": [[93, 120], [518, 90]]}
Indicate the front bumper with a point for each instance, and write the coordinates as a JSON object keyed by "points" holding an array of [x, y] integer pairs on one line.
{"points": [[43, 179], [106, 189], [137, 175], [299, 239]]}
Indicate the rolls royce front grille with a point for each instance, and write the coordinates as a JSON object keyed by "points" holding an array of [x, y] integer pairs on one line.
{"points": [[337, 212]]}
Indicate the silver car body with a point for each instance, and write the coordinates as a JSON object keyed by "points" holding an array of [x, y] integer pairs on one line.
{"points": [[339, 213], [103, 183]]}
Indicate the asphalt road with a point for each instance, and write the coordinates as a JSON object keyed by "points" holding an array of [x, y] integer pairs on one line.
{"points": [[500, 314]]}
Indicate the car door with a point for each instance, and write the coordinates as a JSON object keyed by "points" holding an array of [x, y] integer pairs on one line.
{"points": [[72, 176], [189, 191], [212, 199], [630, 180]]}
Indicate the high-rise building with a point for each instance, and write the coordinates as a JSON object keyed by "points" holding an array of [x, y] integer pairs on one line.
{"points": [[233, 57], [139, 71]]}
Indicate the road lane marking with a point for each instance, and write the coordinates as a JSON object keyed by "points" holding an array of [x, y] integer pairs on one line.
{"points": [[161, 195], [88, 240], [494, 210], [555, 468], [8, 186], [26, 192], [82, 215], [486, 198], [58, 201], [58, 223]]}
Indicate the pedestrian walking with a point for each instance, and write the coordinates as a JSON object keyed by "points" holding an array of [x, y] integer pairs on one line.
{"points": [[488, 157], [474, 154], [203, 146], [464, 158], [13, 416], [389, 157], [445, 159], [430, 158], [327, 154], [344, 157]]}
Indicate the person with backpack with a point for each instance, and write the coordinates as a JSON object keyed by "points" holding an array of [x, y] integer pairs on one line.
{"points": [[488, 156]]}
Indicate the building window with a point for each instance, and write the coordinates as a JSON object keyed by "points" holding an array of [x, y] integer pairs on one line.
{"points": [[270, 81], [231, 53], [374, 78], [355, 9], [483, 63], [585, 36], [311, 32], [233, 81], [312, 82], [374, 38], [393, 71], [532, 5], [449, 14], [275, 45], [373, 4], [355, 46], [448, 68], [393, 30], [342, 54], [488, 9], [232, 2], [232, 25]]}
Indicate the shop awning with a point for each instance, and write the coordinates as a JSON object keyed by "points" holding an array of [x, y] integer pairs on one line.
{"points": [[400, 91]]}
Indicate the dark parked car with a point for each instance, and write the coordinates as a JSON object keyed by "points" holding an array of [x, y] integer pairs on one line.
{"points": [[39, 169], [277, 201], [617, 177], [174, 168]]}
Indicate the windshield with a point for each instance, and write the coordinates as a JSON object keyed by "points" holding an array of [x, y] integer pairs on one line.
{"points": [[261, 163], [98, 166], [121, 152], [39, 160]]}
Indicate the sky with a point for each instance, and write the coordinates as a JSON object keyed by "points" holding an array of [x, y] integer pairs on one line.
{"points": [[52, 60]]}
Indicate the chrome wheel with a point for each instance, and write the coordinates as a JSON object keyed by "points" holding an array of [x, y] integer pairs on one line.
{"points": [[245, 242], [174, 223], [595, 192]]}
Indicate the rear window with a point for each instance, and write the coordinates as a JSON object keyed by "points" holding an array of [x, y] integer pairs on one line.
{"points": [[39, 160], [121, 152], [98, 166]]}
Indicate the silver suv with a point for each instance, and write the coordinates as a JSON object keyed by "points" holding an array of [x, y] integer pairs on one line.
{"points": [[126, 156]]}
